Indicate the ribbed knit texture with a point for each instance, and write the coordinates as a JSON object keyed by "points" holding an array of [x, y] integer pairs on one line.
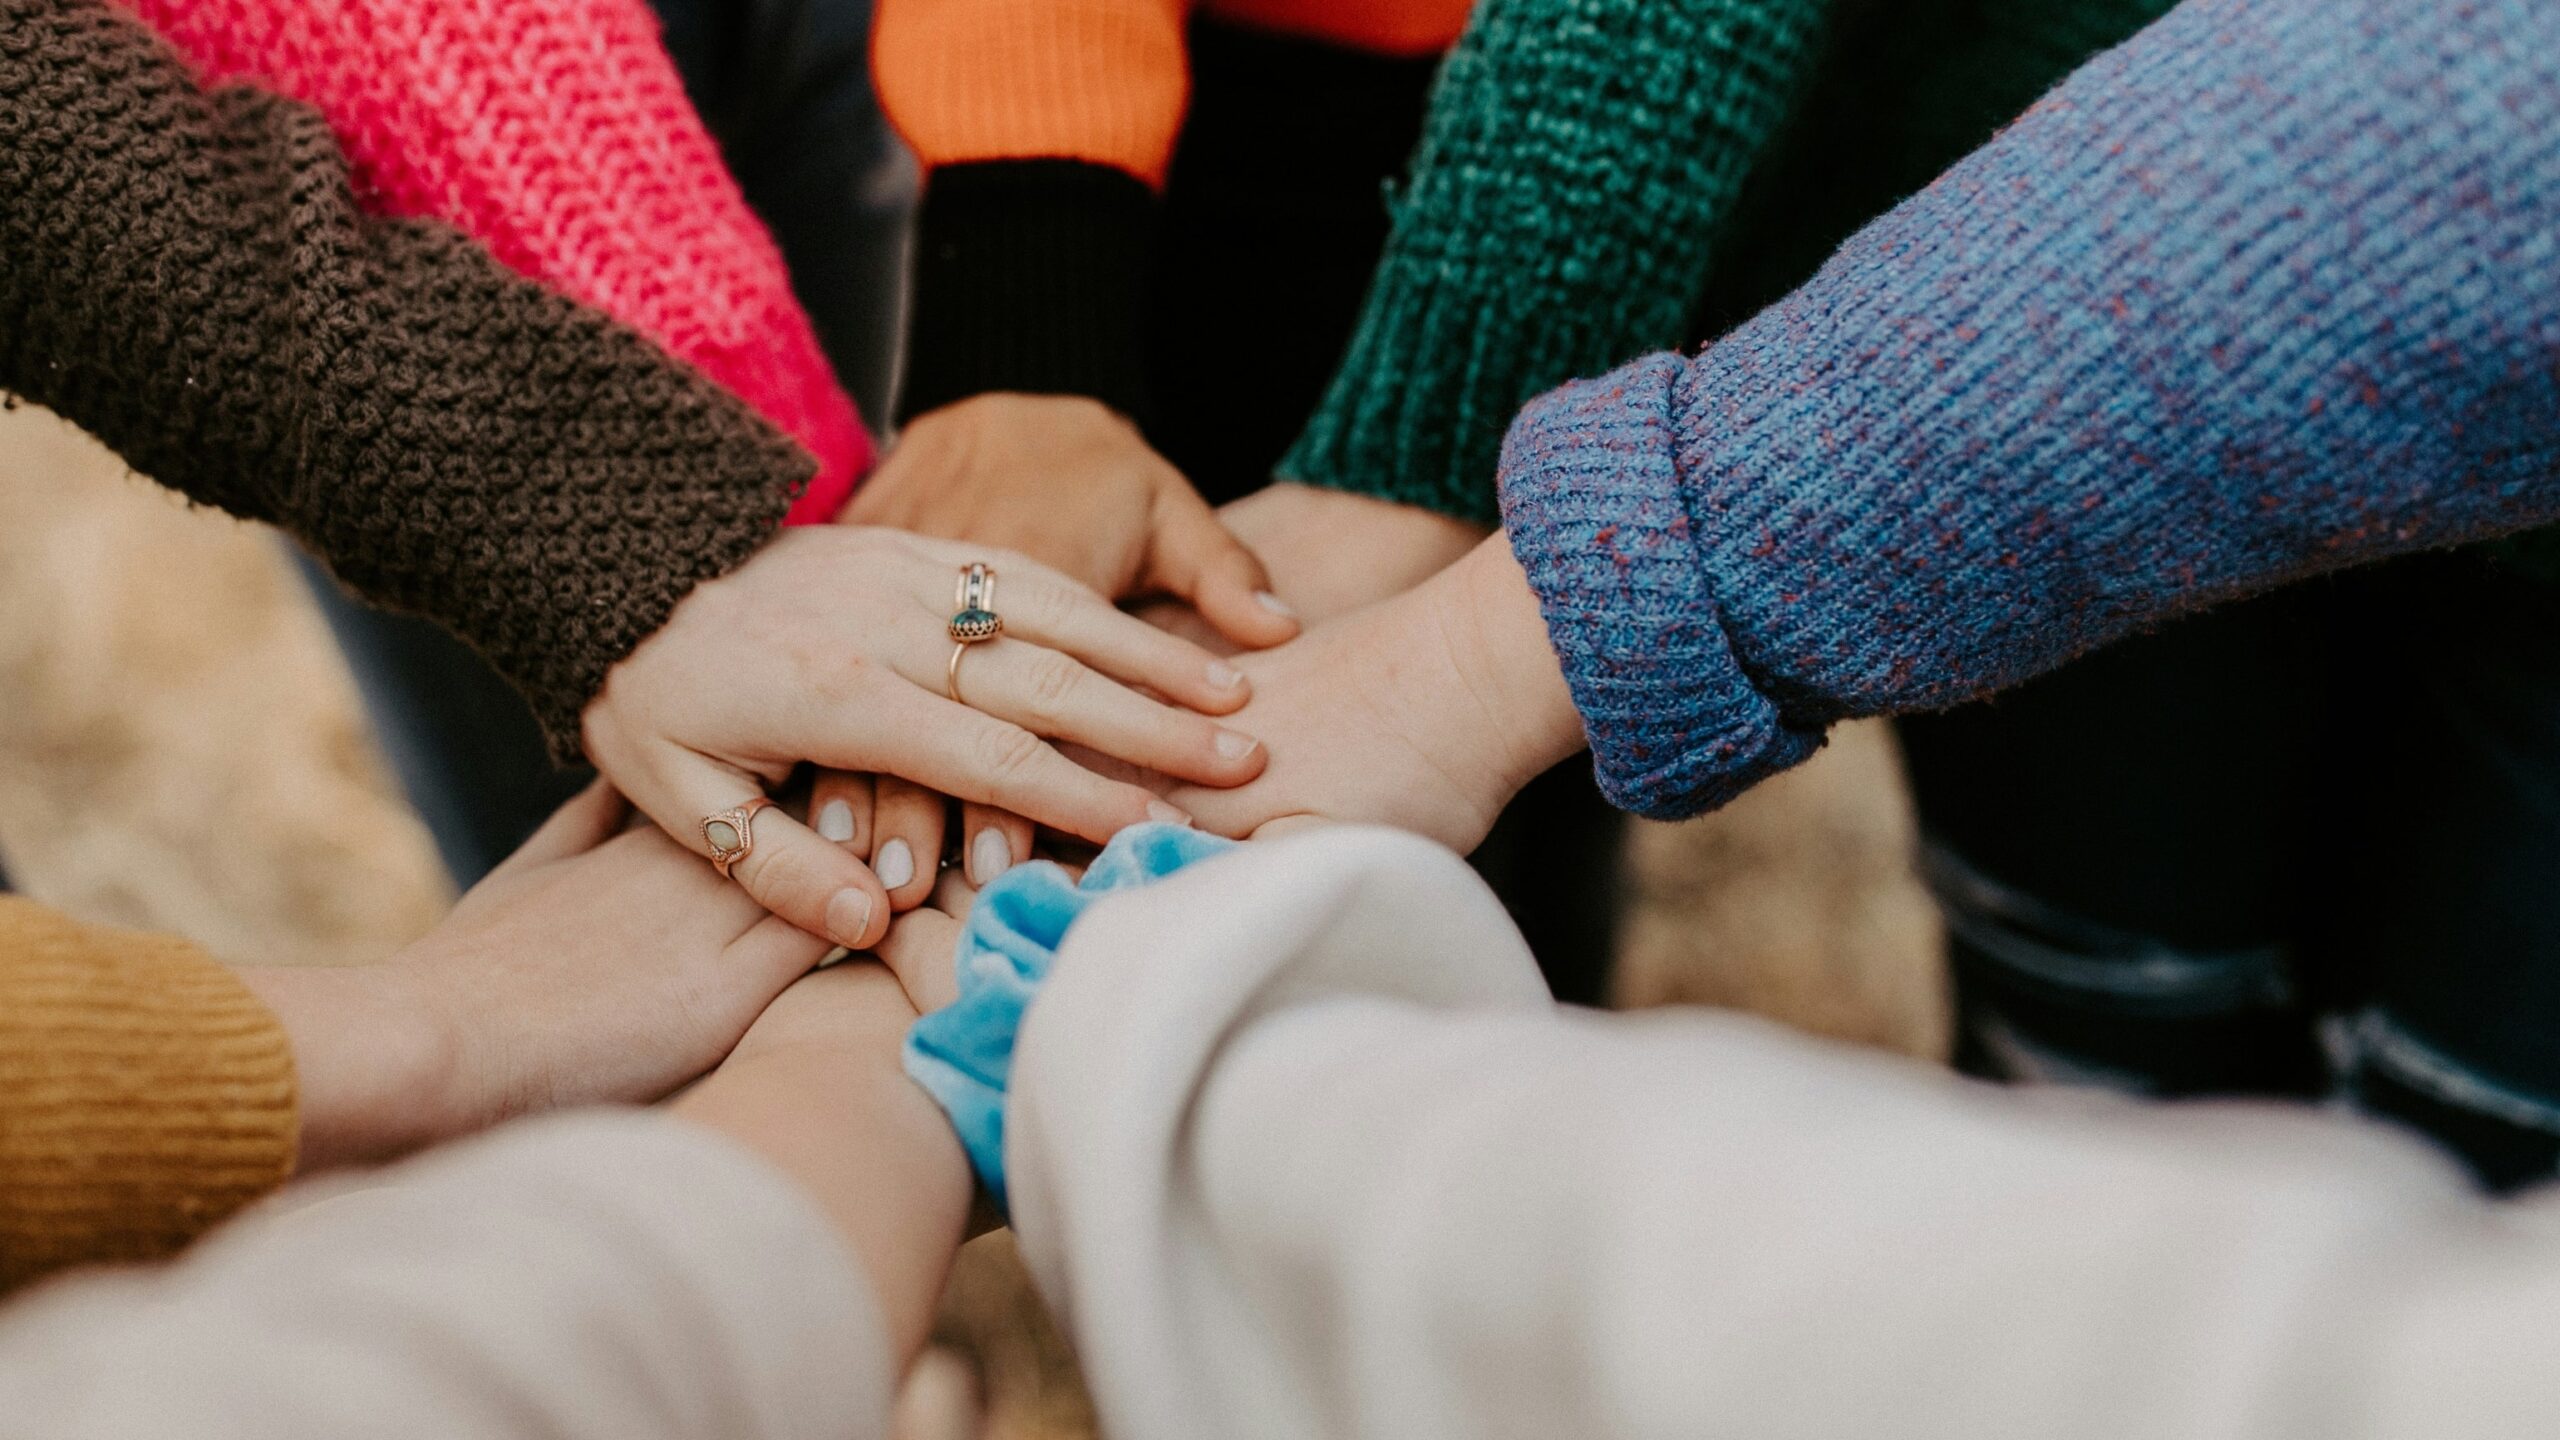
{"points": [[559, 136], [1579, 162], [189, 279], [2272, 289], [145, 1094]]}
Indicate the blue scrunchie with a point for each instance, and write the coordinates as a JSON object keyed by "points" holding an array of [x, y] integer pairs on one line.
{"points": [[962, 1054]]}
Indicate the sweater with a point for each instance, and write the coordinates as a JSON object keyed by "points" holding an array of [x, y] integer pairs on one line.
{"points": [[596, 1276], [1598, 178], [1047, 131], [189, 277], [1299, 1148], [145, 1094], [2272, 289], [559, 136]]}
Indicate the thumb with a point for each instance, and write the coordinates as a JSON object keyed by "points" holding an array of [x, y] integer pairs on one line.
{"points": [[1195, 558]]}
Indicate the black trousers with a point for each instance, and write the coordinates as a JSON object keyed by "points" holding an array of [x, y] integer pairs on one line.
{"points": [[2303, 844]]}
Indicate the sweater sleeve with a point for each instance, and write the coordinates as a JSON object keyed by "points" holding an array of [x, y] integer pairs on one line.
{"points": [[145, 1094], [1577, 165], [1295, 1134], [2271, 289], [558, 136], [593, 1276], [187, 276]]}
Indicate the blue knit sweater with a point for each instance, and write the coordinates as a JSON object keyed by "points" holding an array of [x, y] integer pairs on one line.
{"points": [[2272, 289]]}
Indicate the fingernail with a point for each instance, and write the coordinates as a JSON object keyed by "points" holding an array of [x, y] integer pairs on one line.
{"points": [[849, 915], [835, 821], [1223, 676], [895, 865], [1234, 745], [990, 855], [1158, 810], [1276, 605]]}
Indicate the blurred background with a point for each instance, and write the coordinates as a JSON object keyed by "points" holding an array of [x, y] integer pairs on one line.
{"points": [[182, 749]]}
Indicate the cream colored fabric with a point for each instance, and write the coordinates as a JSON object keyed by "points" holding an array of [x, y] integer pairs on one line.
{"points": [[605, 1276], [1299, 1149]]}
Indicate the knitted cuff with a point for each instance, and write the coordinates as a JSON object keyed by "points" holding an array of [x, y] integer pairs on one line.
{"points": [[1030, 276], [1591, 498], [145, 1094]]}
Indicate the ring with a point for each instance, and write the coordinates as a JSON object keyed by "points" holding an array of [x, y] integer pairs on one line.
{"points": [[951, 677], [975, 618], [731, 834]]}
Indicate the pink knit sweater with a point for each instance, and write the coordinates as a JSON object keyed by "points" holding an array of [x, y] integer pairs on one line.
{"points": [[557, 133]]}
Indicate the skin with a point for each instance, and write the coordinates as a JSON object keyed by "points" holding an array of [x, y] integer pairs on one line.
{"points": [[1427, 711], [598, 965], [829, 647]]}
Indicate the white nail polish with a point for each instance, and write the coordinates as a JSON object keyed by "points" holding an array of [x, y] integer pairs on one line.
{"points": [[989, 856], [848, 915], [895, 864], [1234, 746], [1276, 605], [1158, 810], [835, 821], [1223, 676]]}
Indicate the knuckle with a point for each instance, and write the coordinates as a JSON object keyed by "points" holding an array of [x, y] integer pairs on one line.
{"points": [[787, 880], [1010, 754], [1054, 680]]}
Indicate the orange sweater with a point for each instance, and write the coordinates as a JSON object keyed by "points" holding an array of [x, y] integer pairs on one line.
{"points": [[145, 1094], [1096, 80]]}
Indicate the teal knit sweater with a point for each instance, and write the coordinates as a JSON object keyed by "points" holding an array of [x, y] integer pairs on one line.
{"points": [[1585, 159]]}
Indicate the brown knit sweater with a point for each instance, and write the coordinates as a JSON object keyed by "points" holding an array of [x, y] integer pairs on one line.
{"points": [[145, 1094], [187, 276]]}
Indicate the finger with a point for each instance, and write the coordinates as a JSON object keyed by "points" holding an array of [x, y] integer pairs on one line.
{"points": [[992, 841], [840, 810], [919, 951], [907, 822], [817, 886], [592, 816], [1196, 558], [773, 953], [1050, 610], [1056, 696], [971, 756]]}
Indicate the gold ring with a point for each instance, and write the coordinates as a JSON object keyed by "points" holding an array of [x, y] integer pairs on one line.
{"points": [[731, 834], [951, 677]]}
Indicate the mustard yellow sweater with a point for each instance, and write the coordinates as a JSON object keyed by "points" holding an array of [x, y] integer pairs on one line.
{"points": [[145, 1094]]}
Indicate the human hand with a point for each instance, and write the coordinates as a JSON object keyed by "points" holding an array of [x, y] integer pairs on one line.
{"points": [[1427, 711], [1330, 552], [1067, 482], [829, 647], [590, 967]]}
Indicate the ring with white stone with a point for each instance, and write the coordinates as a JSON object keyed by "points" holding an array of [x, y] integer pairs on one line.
{"points": [[731, 834]]}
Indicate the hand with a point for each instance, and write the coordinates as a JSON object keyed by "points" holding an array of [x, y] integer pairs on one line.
{"points": [[829, 647], [1428, 711], [1330, 552], [590, 967], [1064, 480]]}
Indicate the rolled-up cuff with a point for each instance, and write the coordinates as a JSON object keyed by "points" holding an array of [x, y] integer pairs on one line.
{"points": [[1592, 501]]}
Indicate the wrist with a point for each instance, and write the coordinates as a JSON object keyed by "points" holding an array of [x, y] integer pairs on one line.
{"points": [[1498, 644], [375, 1070]]}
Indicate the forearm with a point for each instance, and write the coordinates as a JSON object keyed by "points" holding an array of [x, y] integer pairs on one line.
{"points": [[189, 278], [2204, 322], [834, 1111], [1516, 262]]}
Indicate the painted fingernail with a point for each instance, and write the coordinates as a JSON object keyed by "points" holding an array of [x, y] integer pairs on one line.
{"points": [[990, 855], [1276, 605], [835, 821], [1223, 676], [895, 865], [849, 915], [1158, 810], [1234, 745]]}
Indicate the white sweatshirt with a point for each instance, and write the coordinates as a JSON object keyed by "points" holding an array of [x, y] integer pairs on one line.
{"points": [[1300, 1149]]}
